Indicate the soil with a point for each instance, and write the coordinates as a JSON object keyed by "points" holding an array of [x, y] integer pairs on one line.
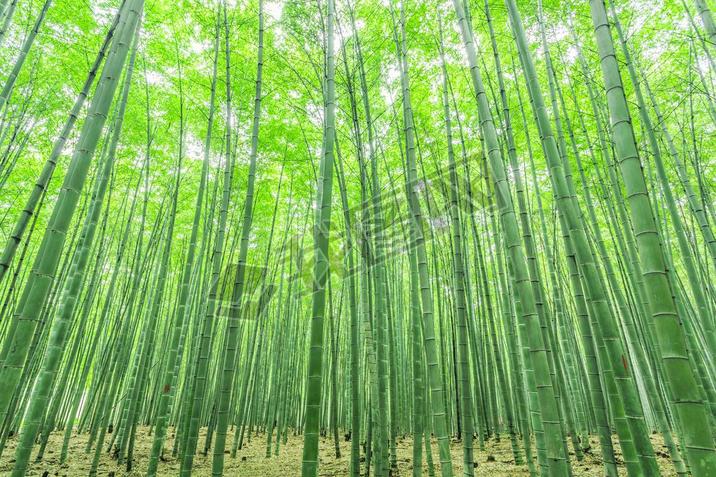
{"points": [[494, 461]]}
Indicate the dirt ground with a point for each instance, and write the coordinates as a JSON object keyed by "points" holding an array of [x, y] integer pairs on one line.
{"points": [[495, 461]]}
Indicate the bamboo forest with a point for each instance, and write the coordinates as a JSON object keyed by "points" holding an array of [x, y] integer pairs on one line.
{"points": [[358, 238]]}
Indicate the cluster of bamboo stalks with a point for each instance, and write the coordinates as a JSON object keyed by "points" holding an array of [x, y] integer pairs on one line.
{"points": [[531, 254]]}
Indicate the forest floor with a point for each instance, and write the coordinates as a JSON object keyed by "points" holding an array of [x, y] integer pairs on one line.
{"points": [[495, 461]]}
